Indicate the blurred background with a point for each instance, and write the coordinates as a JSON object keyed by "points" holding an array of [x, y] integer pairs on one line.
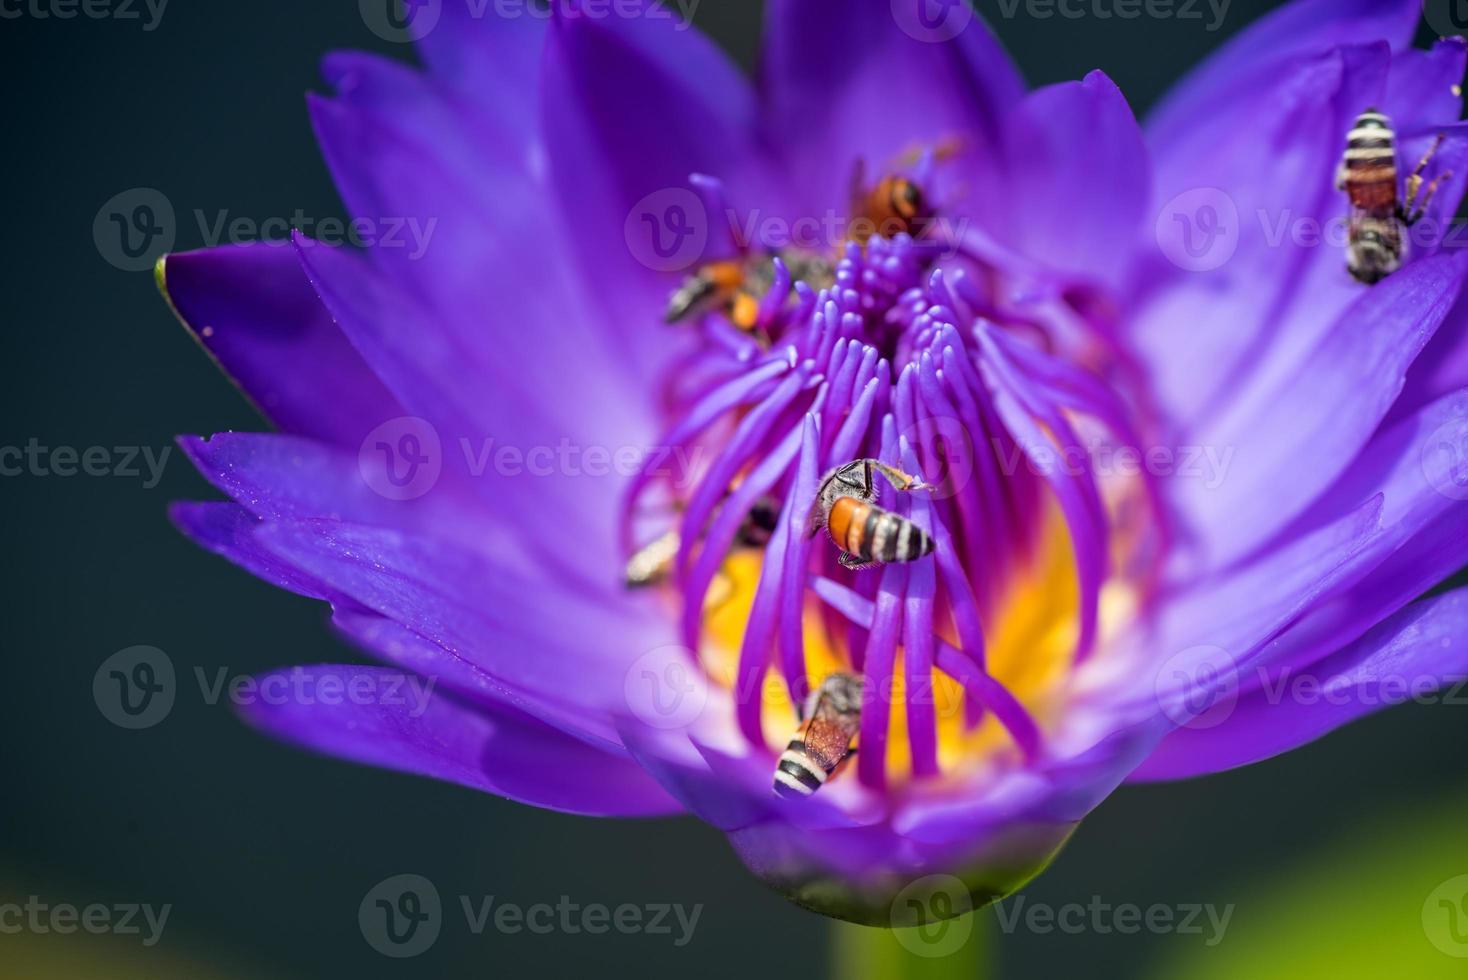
{"points": [[1326, 860]]}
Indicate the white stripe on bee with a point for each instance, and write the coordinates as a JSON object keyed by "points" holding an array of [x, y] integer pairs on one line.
{"points": [[1371, 153], [802, 760], [1366, 117], [785, 779], [1361, 133], [880, 534], [904, 541]]}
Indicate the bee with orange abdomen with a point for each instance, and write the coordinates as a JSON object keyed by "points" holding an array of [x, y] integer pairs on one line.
{"points": [[737, 286], [867, 535], [821, 746], [1376, 245], [895, 205]]}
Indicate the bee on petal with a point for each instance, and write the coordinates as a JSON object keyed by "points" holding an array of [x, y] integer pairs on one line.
{"points": [[1376, 244]]}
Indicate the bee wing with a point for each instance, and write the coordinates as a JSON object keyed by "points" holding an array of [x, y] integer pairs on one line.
{"points": [[828, 739]]}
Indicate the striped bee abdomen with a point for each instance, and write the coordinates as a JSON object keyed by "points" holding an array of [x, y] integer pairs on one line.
{"points": [[1369, 170], [799, 773], [871, 534]]}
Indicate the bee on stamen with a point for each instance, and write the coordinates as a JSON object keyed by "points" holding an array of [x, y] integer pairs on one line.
{"points": [[866, 534], [821, 746], [1376, 245], [736, 287], [894, 205], [651, 564]]}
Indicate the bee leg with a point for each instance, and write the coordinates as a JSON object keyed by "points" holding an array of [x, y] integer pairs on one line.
{"points": [[848, 560], [1411, 211], [1427, 195], [894, 476]]}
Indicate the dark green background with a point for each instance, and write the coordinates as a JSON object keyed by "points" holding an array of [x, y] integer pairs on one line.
{"points": [[264, 851]]}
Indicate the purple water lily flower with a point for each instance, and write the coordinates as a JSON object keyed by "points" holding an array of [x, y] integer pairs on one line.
{"points": [[1173, 457]]}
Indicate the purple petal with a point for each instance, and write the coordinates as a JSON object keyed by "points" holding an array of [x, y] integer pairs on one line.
{"points": [[1249, 59], [1309, 426], [843, 81], [1076, 204], [254, 311], [633, 108], [1411, 655]]}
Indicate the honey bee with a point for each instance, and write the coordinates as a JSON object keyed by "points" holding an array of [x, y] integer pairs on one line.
{"points": [[1376, 244], [737, 286], [821, 745], [894, 205], [866, 534], [651, 564]]}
